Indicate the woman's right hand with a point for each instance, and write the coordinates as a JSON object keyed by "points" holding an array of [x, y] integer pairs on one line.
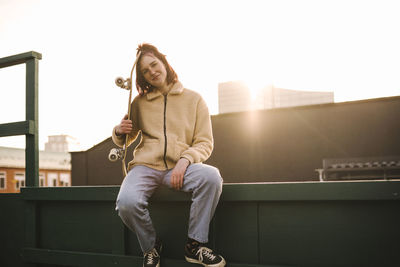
{"points": [[124, 127]]}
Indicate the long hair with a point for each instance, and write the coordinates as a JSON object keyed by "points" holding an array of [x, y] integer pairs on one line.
{"points": [[142, 85]]}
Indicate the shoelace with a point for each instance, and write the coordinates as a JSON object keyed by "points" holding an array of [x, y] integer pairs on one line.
{"points": [[151, 255], [206, 252]]}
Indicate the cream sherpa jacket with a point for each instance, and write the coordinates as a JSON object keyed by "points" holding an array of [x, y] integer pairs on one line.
{"points": [[174, 126]]}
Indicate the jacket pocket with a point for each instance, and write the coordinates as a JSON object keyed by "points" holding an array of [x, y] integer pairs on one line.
{"points": [[149, 151], [179, 148]]}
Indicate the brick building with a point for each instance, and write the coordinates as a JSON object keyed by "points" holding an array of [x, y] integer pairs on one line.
{"points": [[54, 169]]}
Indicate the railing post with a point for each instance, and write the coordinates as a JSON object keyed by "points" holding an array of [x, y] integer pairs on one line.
{"points": [[29, 127], [32, 114]]}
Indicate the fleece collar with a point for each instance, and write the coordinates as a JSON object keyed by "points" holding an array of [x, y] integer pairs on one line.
{"points": [[176, 89]]}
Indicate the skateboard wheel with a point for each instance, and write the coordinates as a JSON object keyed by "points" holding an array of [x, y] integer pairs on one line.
{"points": [[119, 81], [114, 155]]}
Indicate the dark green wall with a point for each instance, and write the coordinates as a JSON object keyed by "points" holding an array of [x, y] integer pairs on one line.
{"points": [[12, 230], [330, 224]]}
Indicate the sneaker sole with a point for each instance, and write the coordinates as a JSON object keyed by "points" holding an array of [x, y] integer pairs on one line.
{"points": [[158, 264], [220, 264]]}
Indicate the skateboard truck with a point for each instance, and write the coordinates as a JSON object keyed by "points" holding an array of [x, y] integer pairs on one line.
{"points": [[116, 154], [123, 83]]}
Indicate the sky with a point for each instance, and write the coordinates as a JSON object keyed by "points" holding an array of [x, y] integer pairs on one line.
{"points": [[348, 47]]}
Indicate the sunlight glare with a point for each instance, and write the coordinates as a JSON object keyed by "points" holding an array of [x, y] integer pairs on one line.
{"points": [[256, 84]]}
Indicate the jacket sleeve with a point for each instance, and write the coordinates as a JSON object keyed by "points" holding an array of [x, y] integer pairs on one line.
{"points": [[120, 139], [203, 141]]}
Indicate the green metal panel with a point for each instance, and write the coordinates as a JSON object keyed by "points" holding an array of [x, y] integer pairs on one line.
{"points": [[310, 225], [12, 230], [119, 233], [335, 233], [290, 224], [31, 224], [237, 231], [171, 217], [75, 258], [80, 226]]}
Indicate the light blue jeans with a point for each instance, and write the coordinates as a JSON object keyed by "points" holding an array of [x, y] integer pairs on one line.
{"points": [[203, 181]]}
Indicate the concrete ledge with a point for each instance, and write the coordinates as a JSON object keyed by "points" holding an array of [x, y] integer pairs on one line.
{"points": [[311, 191]]}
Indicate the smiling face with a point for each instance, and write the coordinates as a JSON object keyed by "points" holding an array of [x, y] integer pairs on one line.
{"points": [[153, 70]]}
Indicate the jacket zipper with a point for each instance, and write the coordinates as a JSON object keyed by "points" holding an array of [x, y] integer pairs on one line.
{"points": [[165, 132]]}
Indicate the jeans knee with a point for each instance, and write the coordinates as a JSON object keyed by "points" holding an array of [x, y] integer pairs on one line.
{"points": [[213, 178], [129, 204]]}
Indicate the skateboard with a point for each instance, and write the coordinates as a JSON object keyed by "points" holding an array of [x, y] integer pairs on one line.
{"points": [[120, 153]]}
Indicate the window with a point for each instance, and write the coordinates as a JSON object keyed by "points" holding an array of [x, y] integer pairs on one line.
{"points": [[3, 180], [52, 179], [19, 180], [41, 179], [65, 179]]}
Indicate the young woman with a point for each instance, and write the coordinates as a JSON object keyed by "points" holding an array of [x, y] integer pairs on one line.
{"points": [[176, 137]]}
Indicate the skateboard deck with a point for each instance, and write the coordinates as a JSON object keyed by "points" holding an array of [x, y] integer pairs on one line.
{"points": [[120, 153]]}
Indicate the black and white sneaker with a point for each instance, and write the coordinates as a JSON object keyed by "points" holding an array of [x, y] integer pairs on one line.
{"points": [[202, 255], [152, 258]]}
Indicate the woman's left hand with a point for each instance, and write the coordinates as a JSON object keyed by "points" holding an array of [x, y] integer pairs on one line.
{"points": [[178, 173]]}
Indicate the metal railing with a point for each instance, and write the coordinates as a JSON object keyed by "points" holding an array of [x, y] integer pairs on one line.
{"points": [[29, 127]]}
